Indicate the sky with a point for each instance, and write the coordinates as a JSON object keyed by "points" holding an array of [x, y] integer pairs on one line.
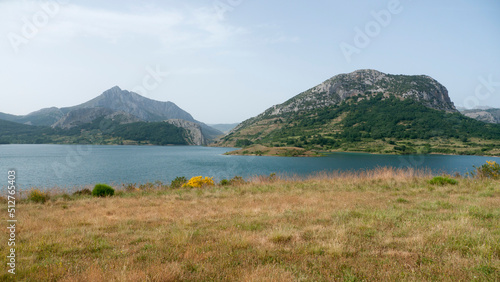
{"points": [[225, 61]]}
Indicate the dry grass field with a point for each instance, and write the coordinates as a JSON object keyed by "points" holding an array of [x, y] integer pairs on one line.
{"points": [[381, 225]]}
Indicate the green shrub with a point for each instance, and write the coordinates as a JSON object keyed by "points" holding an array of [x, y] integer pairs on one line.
{"points": [[178, 182], [442, 180], [102, 190], [490, 169], [237, 180], [38, 196], [131, 187], [147, 186]]}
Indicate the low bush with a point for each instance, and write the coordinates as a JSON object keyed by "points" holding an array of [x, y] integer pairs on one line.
{"points": [[38, 196], [442, 180], [178, 182], [102, 190]]}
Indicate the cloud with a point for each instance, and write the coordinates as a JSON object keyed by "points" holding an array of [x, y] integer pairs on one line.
{"points": [[185, 27]]}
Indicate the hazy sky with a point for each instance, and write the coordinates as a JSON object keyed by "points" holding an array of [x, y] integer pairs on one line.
{"points": [[225, 61]]}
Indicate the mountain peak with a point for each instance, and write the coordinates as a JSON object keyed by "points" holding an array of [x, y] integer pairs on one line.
{"points": [[366, 71], [114, 89]]}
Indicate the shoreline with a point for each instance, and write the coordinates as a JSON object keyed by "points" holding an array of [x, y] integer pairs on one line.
{"points": [[319, 153]]}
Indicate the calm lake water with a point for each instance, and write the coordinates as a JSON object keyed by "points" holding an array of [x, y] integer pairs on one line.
{"points": [[67, 166]]}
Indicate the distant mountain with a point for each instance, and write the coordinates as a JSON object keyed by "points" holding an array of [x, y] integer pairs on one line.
{"points": [[47, 116], [489, 115], [129, 102], [117, 107], [476, 108], [114, 99], [369, 111], [224, 127]]}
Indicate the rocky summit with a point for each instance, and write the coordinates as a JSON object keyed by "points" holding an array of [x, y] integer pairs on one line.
{"points": [[366, 83], [129, 102]]}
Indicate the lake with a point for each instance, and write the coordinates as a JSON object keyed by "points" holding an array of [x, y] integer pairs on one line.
{"points": [[66, 166]]}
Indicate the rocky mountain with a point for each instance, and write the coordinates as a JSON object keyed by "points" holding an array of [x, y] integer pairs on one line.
{"points": [[364, 107], [489, 115], [114, 99], [363, 84], [116, 106], [366, 83], [143, 108]]}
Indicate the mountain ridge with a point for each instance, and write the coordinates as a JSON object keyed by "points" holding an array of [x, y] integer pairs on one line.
{"points": [[144, 108], [489, 115]]}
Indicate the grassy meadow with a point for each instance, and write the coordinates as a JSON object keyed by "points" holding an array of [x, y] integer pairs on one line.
{"points": [[384, 224]]}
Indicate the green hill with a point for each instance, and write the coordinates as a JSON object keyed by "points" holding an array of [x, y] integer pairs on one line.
{"points": [[12, 132]]}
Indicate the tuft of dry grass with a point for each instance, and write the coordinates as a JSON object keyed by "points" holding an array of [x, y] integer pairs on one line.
{"points": [[384, 224]]}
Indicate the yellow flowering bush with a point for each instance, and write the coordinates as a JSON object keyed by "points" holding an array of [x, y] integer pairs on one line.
{"points": [[490, 169], [38, 196], [199, 181]]}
